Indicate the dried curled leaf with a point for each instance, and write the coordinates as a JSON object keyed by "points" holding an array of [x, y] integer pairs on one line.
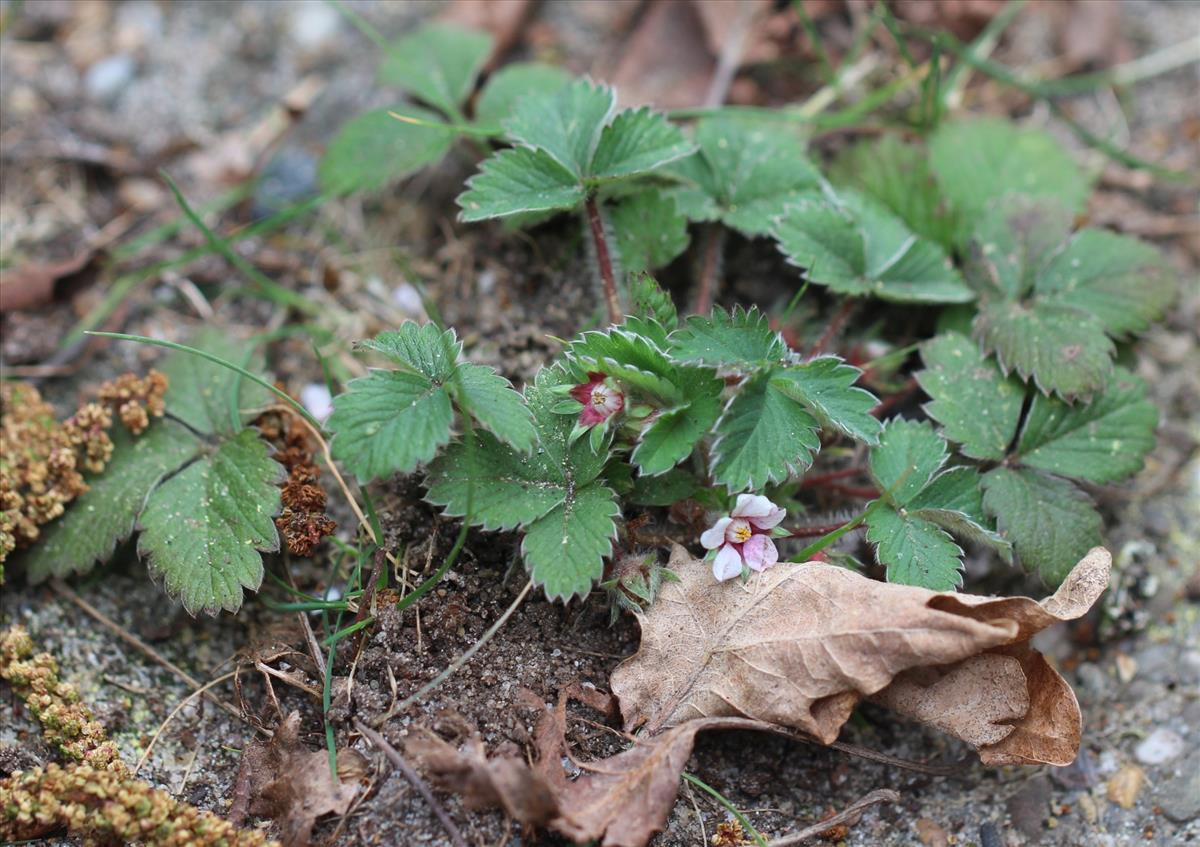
{"points": [[284, 780], [800, 646], [796, 649]]}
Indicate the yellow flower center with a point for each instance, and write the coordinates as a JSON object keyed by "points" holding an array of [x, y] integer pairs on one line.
{"points": [[742, 534]]}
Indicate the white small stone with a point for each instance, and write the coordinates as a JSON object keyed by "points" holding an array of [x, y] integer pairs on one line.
{"points": [[316, 398], [1159, 747], [406, 296], [109, 76], [313, 24]]}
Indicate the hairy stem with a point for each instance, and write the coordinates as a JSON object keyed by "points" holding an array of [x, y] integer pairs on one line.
{"points": [[604, 260], [823, 478], [835, 324], [714, 240], [825, 540]]}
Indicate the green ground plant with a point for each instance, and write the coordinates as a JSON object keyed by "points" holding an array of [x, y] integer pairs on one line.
{"points": [[971, 222]]}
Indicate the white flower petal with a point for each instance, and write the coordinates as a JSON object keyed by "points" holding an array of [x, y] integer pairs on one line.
{"points": [[760, 553], [728, 563], [714, 536], [771, 519], [752, 506]]}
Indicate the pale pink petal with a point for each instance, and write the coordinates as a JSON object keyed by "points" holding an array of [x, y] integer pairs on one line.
{"points": [[752, 506], [738, 531], [760, 553], [727, 564], [590, 416], [714, 536], [769, 520], [608, 400]]}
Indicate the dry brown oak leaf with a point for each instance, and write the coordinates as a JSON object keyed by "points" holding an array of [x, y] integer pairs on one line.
{"points": [[794, 649], [283, 779], [801, 645]]}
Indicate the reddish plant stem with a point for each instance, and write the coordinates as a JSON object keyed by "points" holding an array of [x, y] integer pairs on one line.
{"points": [[892, 400], [816, 531], [835, 324], [865, 492], [824, 478], [714, 240], [604, 260]]}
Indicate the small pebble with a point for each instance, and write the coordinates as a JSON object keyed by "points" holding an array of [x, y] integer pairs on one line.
{"points": [[1159, 747], [1180, 797], [1125, 786], [108, 77], [989, 836], [931, 834]]}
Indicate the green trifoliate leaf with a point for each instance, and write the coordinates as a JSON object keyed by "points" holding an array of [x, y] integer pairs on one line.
{"points": [[1063, 349], [438, 64], [506, 489], [673, 434], [650, 301], [854, 245], [915, 551], [205, 528], [491, 400], [898, 175], [1050, 522], [575, 461], [566, 126], [638, 141], [1102, 441], [553, 491], [764, 436], [826, 388], [1051, 300], [389, 422], [954, 501], [422, 348], [202, 394], [977, 406], [978, 161], [1013, 238], [629, 357], [907, 458], [519, 181], [104, 515], [508, 85], [744, 173], [374, 149], [1125, 283], [741, 339], [650, 231], [564, 550]]}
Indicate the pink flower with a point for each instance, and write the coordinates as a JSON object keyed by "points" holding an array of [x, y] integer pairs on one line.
{"points": [[601, 400], [743, 538]]}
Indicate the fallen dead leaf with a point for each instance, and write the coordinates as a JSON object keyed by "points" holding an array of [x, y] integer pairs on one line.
{"points": [[795, 649], [284, 780], [801, 645], [35, 285], [1007, 703], [1125, 785], [504, 19]]}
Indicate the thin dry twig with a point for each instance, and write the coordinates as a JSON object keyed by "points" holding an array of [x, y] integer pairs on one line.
{"points": [[162, 726], [128, 637], [880, 795], [458, 663], [414, 779]]}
